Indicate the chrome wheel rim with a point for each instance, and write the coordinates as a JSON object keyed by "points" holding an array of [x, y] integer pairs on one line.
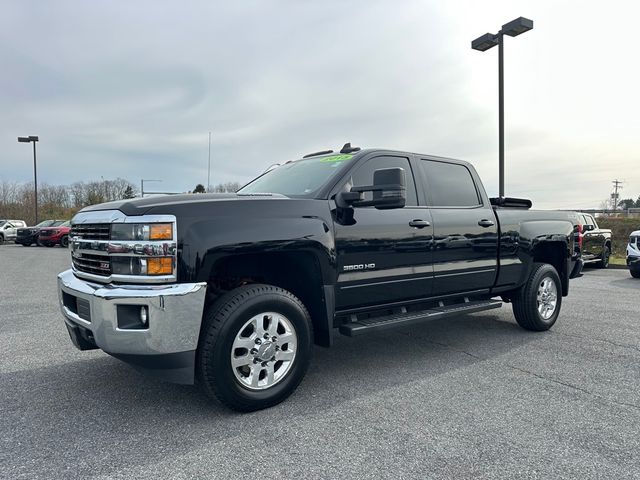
{"points": [[263, 351], [547, 298]]}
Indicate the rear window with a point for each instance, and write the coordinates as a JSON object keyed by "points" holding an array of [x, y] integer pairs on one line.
{"points": [[450, 185]]}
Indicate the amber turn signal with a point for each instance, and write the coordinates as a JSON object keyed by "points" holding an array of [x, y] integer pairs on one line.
{"points": [[160, 266], [161, 231]]}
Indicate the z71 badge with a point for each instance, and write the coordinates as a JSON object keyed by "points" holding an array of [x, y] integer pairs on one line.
{"points": [[362, 266]]}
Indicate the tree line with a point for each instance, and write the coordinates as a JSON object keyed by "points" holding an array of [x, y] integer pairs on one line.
{"points": [[17, 200], [628, 203]]}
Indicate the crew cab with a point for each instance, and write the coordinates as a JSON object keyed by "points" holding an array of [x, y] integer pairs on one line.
{"points": [[595, 242], [8, 229], [232, 290]]}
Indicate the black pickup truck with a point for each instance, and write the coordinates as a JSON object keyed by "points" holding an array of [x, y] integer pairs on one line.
{"points": [[232, 290]]}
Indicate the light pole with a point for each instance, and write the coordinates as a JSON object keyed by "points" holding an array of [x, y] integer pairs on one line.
{"points": [[142, 185], [209, 168], [485, 42], [34, 139]]}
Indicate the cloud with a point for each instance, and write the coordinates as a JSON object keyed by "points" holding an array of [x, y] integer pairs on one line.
{"points": [[131, 89]]}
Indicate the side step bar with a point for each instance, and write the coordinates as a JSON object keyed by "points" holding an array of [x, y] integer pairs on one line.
{"points": [[365, 325]]}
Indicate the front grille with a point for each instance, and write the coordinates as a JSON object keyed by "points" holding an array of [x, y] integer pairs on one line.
{"points": [[91, 231], [93, 264]]}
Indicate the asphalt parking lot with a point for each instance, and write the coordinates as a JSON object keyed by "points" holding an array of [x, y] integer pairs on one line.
{"points": [[472, 397]]}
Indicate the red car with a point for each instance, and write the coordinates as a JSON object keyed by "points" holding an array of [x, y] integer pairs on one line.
{"points": [[51, 236]]}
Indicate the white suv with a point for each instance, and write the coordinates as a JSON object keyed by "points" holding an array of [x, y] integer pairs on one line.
{"points": [[633, 254]]}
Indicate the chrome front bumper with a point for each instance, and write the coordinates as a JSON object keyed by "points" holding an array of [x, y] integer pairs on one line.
{"points": [[166, 348]]}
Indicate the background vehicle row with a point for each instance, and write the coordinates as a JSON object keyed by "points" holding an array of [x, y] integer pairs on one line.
{"points": [[28, 236]]}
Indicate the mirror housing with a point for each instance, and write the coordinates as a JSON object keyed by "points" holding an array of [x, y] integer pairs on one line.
{"points": [[389, 191], [587, 228]]}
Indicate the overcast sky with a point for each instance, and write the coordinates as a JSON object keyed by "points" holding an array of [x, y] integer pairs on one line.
{"points": [[131, 89]]}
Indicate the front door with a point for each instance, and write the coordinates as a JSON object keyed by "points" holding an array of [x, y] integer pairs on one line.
{"points": [[382, 258]]}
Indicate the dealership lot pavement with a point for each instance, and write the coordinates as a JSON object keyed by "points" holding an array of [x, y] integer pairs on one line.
{"points": [[472, 397]]}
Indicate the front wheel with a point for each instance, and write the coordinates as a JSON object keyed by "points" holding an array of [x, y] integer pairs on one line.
{"points": [[255, 347], [64, 242], [1, 239], [635, 272], [536, 305]]}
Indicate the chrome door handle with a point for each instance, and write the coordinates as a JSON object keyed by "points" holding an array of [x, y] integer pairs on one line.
{"points": [[417, 223], [486, 223]]}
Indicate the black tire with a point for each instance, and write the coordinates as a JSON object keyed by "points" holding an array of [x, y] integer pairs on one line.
{"points": [[604, 261], [1, 239], [223, 321], [49, 244], [64, 242], [26, 244], [525, 301], [635, 273]]}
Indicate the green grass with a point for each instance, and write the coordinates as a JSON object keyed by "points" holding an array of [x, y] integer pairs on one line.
{"points": [[617, 260]]}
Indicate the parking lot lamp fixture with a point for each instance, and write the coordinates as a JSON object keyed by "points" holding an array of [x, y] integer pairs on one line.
{"points": [[484, 43], [33, 139]]}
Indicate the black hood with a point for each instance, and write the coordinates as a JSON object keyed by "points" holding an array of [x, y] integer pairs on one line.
{"points": [[139, 206]]}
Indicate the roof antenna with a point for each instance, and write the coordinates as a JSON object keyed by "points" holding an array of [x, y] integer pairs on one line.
{"points": [[347, 148]]}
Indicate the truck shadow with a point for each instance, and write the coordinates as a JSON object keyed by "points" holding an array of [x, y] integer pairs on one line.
{"points": [[103, 404]]}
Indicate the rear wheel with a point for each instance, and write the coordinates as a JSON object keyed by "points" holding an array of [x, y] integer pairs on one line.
{"points": [[536, 305], [255, 347], [604, 261]]}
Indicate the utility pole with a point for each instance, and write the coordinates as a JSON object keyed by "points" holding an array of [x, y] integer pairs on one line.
{"points": [[209, 169], [617, 184]]}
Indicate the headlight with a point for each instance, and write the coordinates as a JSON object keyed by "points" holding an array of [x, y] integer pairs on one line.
{"points": [[141, 231], [142, 266]]}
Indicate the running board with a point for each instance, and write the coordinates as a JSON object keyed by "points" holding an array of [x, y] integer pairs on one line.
{"points": [[358, 327]]}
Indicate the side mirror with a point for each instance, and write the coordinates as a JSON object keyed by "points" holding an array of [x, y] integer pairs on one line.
{"points": [[389, 191], [587, 228]]}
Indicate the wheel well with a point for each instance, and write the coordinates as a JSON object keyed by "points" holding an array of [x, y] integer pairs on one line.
{"points": [[554, 253], [296, 272]]}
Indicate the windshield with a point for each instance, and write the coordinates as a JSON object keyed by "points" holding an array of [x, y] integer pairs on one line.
{"points": [[301, 178], [2, 222], [57, 223], [45, 223]]}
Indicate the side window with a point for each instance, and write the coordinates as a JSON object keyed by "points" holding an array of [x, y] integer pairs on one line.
{"points": [[450, 185], [364, 175], [593, 222]]}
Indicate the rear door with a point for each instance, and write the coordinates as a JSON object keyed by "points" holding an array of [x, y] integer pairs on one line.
{"points": [[465, 247], [382, 258]]}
